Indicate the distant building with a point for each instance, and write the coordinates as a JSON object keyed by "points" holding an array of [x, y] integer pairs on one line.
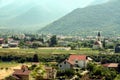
{"points": [[10, 40], [50, 73], [98, 43], [5, 46], [1, 40], [13, 44], [79, 61], [111, 65], [21, 74], [117, 48], [63, 43]]}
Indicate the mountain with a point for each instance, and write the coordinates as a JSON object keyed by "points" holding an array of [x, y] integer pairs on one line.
{"points": [[86, 21], [34, 14]]}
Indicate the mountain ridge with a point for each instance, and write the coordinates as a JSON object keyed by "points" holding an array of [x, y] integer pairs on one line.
{"points": [[85, 21]]}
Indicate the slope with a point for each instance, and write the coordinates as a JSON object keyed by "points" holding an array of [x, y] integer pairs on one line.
{"points": [[86, 21]]}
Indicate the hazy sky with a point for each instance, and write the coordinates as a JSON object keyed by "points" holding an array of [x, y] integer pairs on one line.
{"points": [[53, 9]]}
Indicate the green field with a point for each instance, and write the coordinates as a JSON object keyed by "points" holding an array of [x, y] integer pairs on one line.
{"points": [[29, 52], [8, 64]]}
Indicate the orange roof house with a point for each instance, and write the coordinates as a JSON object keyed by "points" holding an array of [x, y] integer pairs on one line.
{"points": [[111, 65], [74, 60], [21, 74]]}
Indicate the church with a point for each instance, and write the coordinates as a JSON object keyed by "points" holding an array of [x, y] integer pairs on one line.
{"points": [[98, 44]]}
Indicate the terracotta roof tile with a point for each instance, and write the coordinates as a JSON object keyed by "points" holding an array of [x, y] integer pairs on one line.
{"points": [[15, 77], [112, 65], [21, 72], [75, 57]]}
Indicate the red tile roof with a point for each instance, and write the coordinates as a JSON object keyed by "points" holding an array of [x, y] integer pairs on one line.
{"points": [[70, 62], [16, 77], [97, 43], [112, 65], [1, 39], [23, 71], [75, 57], [20, 72]]}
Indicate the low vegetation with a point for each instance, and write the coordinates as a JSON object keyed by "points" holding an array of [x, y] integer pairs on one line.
{"points": [[100, 72]]}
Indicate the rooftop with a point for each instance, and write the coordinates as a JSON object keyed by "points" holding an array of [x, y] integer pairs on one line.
{"points": [[111, 65], [75, 57]]}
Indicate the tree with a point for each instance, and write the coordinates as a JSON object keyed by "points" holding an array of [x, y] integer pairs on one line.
{"points": [[104, 43], [22, 60], [73, 46], [99, 72], [119, 67], [22, 43], [35, 58], [67, 73], [118, 77], [6, 41], [35, 45], [53, 41], [39, 72], [90, 66]]}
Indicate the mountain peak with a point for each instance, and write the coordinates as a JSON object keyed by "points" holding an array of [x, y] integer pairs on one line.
{"points": [[87, 20]]}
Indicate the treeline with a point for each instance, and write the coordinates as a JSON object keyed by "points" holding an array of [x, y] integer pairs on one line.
{"points": [[103, 58], [33, 58]]}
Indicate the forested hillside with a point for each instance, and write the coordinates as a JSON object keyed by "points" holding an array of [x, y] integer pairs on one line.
{"points": [[86, 21]]}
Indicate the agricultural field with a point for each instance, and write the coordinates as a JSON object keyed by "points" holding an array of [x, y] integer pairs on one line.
{"points": [[48, 51], [44, 55], [8, 64], [7, 68]]}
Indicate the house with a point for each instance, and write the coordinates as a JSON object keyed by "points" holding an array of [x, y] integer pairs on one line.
{"points": [[111, 65], [50, 73], [13, 43], [5, 46], [21, 74], [10, 40], [74, 60], [117, 48], [1, 40]]}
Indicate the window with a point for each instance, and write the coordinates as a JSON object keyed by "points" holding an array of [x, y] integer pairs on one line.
{"points": [[76, 65], [76, 61], [77, 70], [64, 62], [60, 65]]}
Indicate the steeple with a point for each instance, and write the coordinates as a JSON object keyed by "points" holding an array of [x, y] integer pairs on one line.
{"points": [[99, 36]]}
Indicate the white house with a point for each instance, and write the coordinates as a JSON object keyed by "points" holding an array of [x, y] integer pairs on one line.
{"points": [[5, 46], [74, 60]]}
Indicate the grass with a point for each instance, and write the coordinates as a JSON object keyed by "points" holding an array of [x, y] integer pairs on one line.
{"points": [[8, 64], [29, 52]]}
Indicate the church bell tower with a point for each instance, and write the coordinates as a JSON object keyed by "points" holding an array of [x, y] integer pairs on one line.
{"points": [[99, 36]]}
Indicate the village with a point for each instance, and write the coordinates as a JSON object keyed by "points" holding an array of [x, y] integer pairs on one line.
{"points": [[59, 40], [48, 57]]}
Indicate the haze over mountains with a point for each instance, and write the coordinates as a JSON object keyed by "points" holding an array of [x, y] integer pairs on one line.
{"points": [[86, 21], [29, 14]]}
